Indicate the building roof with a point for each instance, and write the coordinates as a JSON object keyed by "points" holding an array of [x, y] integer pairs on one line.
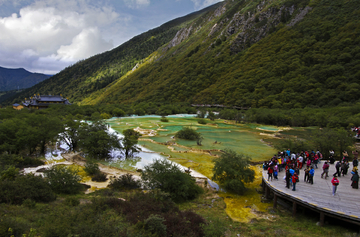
{"points": [[52, 98], [43, 100]]}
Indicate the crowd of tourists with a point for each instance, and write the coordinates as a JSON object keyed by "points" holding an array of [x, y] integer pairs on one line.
{"points": [[293, 162]]}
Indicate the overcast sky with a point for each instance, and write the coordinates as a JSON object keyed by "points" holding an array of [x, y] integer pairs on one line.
{"points": [[47, 35]]}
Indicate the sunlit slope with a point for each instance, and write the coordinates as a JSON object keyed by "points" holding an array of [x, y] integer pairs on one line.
{"points": [[93, 75], [276, 54]]}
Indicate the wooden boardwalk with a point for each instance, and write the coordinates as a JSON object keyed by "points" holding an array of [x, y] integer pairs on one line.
{"points": [[344, 205]]}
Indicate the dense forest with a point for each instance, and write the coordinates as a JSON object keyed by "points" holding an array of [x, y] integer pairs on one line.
{"points": [[259, 54]]}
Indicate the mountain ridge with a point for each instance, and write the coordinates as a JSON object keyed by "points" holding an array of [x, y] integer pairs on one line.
{"points": [[271, 54], [19, 78]]}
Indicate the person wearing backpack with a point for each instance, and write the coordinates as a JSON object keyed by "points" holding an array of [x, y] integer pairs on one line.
{"points": [[325, 170], [295, 179]]}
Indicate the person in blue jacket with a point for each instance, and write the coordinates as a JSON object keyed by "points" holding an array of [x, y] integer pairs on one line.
{"points": [[311, 175]]}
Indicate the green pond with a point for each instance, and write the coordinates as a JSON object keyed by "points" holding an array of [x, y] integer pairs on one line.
{"points": [[218, 135], [250, 139]]}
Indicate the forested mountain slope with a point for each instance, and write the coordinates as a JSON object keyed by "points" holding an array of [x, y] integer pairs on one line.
{"points": [[97, 72], [270, 53]]}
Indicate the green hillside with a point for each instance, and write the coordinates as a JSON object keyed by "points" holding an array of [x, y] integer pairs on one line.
{"points": [[272, 54], [88, 76]]}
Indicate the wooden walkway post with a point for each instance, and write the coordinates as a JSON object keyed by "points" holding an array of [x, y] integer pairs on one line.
{"points": [[263, 185], [322, 218], [267, 192], [275, 201], [294, 208]]}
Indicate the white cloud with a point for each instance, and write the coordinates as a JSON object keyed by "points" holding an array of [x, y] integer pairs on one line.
{"points": [[48, 35], [84, 45], [137, 3], [51, 29]]}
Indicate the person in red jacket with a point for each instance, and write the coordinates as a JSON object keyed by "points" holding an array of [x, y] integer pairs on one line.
{"points": [[270, 173], [294, 179], [335, 183]]}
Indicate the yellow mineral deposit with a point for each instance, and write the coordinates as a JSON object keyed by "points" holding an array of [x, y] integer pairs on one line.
{"points": [[244, 208]]}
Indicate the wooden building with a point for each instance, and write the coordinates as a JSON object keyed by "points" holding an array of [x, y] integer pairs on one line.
{"points": [[43, 101]]}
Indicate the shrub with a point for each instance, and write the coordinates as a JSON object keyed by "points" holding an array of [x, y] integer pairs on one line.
{"points": [[105, 116], [9, 174], [154, 224], [214, 228], [26, 187], [99, 177], [29, 203], [63, 179], [150, 208], [202, 121], [232, 171], [125, 181], [72, 201], [211, 116], [164, 119], [18, 161], [91, 168], [167, 177], [188, 134]]}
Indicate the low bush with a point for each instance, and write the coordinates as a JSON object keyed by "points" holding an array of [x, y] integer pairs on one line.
{"points": [[29, 203], [72, 201], [188, 134], [25, 187], [154, 224], [167, 177], [152, 208], [125, 181], [63, 179], [91, 168], [202, 121], [18, 161], [164, 119], [99, 177]]}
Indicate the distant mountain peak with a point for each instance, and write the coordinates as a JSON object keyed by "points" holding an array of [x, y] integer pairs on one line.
{"points": [[19, 78]]}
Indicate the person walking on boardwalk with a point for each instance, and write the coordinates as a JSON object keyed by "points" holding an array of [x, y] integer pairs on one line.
{"points": [[270, 173], [294, 179], [311, 175], [355, 161], [276, 170], [325, 170], [306, 174], [300, 161], [355, 180], [337, 166], [287, 178], [335, 183]]}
